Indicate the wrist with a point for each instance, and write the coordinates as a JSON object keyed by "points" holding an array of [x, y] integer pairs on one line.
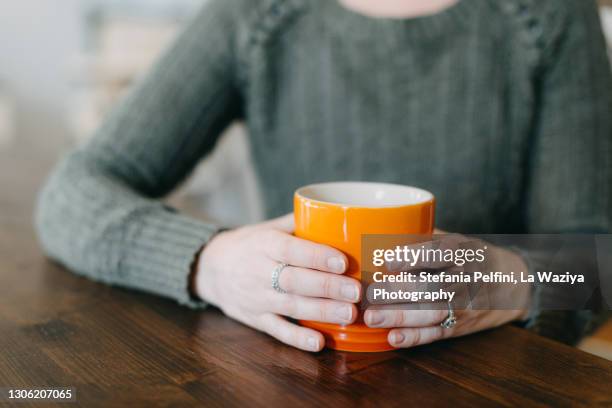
{"points": [[509, 260], [191, 285], [203, 280]]}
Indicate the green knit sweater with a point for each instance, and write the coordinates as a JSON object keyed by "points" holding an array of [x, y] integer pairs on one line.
{"points": [[501, 108]]}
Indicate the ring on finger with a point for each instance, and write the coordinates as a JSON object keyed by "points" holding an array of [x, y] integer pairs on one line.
{"points": [[451, 319], [276, 272]]}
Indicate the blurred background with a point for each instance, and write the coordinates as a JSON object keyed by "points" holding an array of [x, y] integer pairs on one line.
{"points": [[66, 63]]}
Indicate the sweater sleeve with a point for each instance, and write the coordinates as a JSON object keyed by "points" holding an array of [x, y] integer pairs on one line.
{"points": [[99, 212], [570, 180]]}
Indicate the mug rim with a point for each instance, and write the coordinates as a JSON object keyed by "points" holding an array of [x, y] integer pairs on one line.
{"points": [[428, 196]]}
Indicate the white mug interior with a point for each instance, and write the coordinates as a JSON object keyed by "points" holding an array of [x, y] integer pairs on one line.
{"points": [[365, 194]]}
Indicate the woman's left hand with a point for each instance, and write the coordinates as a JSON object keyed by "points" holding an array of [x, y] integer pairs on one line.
{"points": [[416, 327]]}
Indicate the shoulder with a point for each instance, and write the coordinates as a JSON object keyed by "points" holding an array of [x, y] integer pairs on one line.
{"points": [[252, 12], [560, 15], [537, 27], [545, 20], [251, 21], [566, 8], [544, 9], [241, 23]]}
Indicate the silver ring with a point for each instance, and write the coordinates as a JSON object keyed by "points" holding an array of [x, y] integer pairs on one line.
{"points": [[450, 320], [276, 277]]}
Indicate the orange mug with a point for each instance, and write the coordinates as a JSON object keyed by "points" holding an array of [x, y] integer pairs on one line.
{"points": [[338, 214]]}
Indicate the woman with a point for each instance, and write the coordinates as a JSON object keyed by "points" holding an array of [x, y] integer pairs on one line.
{"points": [[500, 108]]}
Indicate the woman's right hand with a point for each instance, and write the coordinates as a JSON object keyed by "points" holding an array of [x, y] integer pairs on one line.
{"points": [[234, 273]]}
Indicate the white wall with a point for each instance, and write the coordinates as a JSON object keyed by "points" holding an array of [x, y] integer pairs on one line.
{"points": [[38, 40]]}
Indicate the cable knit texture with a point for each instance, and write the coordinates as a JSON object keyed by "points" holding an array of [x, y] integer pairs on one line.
{"points": [[503, 109]]}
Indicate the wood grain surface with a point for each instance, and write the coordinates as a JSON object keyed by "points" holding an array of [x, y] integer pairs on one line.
{"points": [[123, 348]]}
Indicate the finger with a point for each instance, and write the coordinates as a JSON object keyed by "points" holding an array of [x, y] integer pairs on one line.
{"points": [[311, 283], [404, 318], [291, 334], [404, 338], [320, 310], [285, 223], [300, 252]]}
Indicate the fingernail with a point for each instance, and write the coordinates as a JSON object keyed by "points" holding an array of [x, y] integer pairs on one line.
{"points": [[375, 318], [397, 338], [349, 292], [313, 343], [344, 313], [336, 264]]}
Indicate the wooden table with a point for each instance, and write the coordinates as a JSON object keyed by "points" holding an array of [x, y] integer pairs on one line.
{"points": [[122, 348]]}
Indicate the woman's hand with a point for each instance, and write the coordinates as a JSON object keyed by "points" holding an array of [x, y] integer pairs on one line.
{"points": [[234, 273], [416, 327]]}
